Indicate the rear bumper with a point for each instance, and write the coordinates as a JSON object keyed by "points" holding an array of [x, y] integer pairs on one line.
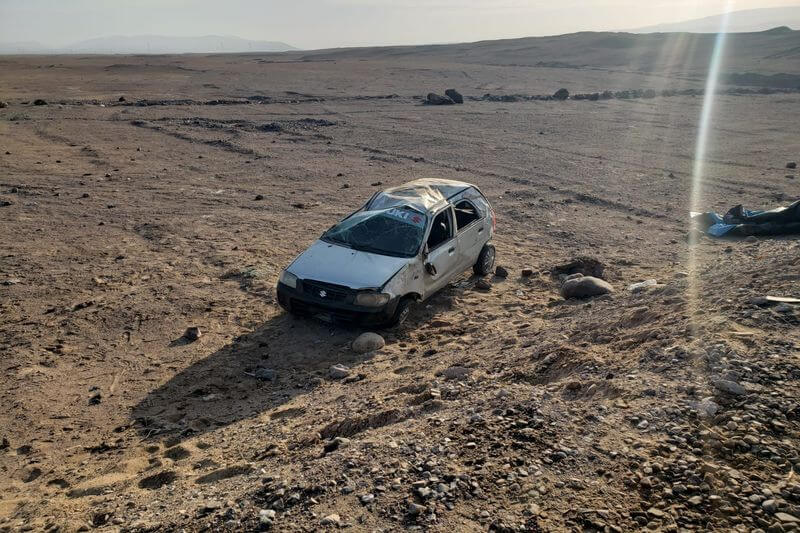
{"points": [[298, 302]]}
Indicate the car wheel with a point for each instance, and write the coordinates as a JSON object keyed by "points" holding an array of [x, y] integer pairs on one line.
{"points": [[485, 263], [400, 313]]}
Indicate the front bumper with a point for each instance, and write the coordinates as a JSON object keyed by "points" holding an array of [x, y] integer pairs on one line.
{"points": [[304, 302]]}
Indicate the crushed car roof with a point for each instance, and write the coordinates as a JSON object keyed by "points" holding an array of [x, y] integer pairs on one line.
{"points": [[423, 194]]}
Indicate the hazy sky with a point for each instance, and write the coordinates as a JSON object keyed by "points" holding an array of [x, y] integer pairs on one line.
{"points": [[328, 23]]}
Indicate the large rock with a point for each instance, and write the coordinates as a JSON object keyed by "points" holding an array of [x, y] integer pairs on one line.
{"points": [[438, 99], [454, 95], [561, 94], [368, 342], [585, 287]]}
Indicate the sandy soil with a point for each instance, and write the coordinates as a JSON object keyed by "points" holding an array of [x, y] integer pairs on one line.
{"points": [[509, 410]]}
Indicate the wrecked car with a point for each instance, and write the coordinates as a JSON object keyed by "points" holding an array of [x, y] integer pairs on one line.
{"points": [[402, 246]]}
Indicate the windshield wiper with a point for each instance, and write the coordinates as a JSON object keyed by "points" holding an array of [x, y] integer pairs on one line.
{"points": [[327, 238]]}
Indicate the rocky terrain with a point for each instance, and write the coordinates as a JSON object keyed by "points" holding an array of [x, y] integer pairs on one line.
{"points": [[151, 382]]}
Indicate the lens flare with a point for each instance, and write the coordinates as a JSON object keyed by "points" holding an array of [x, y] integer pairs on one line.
{"points": [[701, 146]]}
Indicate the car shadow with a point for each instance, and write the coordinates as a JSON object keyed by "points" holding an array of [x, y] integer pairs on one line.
{"points": [[256, 373], [285, 357]]}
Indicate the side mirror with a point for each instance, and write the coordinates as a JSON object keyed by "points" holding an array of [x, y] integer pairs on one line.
{"points": [[430, 268]]}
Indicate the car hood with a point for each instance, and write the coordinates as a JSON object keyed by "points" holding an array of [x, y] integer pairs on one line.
{"points": [[339, 265]]}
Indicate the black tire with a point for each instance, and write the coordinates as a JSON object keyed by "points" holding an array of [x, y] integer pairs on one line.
{"points": [[485, 263], [401, 312]]}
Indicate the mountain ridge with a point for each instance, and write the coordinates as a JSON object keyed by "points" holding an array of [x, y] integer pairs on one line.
{"points": [[152, 44]]}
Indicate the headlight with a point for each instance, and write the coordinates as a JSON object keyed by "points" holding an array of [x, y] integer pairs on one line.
{"points": [[372, 299], [288, 279]]}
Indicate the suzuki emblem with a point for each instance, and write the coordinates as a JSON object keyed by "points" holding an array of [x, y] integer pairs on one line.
{"points": [[322, 294]]}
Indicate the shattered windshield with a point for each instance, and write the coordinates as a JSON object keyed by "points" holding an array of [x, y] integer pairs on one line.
{"points": [[397, 231]]}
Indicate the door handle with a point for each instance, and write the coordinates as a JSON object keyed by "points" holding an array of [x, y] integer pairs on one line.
{"points": [[480, 230], [451, 250]]}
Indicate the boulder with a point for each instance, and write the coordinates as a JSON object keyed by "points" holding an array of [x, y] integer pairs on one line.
{"points": [[3, 104], [368, 342], [561, 94], [585, 287], [39, 101], [454, 95], [437, 99], [791, 164], [501, 272]]}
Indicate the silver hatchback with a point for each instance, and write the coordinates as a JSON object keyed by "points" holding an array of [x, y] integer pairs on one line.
{"points": [[402, 246]]}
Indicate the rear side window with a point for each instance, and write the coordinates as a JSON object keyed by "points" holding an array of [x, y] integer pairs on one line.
{"points": [[466, 214], [441, 229]]}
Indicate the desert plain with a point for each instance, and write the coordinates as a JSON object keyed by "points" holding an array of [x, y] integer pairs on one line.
{"points": [[151, 194]]}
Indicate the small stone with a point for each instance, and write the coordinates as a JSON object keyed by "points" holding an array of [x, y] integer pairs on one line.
{"points": [[730, 387], [769, 506], [455, 372], [266, 517], [331, 520], [336, 443], [791, 164], [787, 518], [209, 506], [644, 424], [527, 272], [338, 372], [501, 272], [483, 285], [192, 333], [258, 197], [366, 499], [265, 374], [424, 492], [696, 500], [368, 342], [415, 509]]}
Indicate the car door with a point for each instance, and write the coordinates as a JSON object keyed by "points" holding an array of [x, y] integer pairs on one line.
{"points": [[442, 252], [471, 231]]}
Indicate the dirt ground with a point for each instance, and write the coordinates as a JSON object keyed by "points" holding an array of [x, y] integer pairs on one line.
{"points": [[122, 224]]}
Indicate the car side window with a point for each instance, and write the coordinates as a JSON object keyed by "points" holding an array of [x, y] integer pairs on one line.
{"points": [[466, 214], [441, 229]]}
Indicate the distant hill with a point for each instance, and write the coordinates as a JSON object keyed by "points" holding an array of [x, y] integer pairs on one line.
{"points": [[749, 20], [669, 54], [152, 44]]}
